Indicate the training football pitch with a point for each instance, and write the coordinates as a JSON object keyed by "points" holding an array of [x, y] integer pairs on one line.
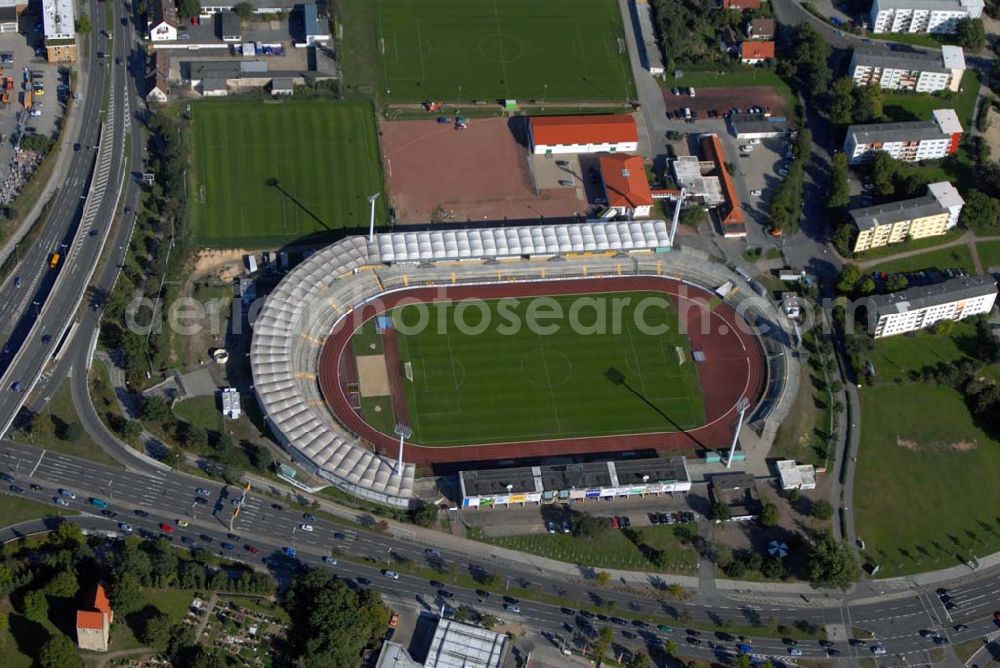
{"points": [[268, 173], [520, 49], [510, 383]]}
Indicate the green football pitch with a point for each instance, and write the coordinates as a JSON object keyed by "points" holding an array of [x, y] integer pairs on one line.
{"points": [[268, 173], [521, 49], [525, 385]]}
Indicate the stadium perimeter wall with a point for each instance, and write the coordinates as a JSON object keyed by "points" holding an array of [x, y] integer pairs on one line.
{"points": [[307, 305]]}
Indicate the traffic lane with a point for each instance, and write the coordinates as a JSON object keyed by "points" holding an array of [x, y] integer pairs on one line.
{"points": [[168, 498], [173, 496]]}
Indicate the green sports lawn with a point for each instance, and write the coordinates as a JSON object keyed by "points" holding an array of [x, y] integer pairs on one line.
{"points": [[521, 49], [268, 173], [494, 387]]}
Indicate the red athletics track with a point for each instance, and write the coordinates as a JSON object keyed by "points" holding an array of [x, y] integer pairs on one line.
{"points": [[734, 368]]}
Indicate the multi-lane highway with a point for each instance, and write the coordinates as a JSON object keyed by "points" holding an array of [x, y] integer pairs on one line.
{"points": [[78, 225], [270, 525]]}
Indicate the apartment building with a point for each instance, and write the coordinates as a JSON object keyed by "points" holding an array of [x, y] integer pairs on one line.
{"points": [[930, 16], [909, 141], [59, 28], [916, 71], [916, 308], [931, 215]]}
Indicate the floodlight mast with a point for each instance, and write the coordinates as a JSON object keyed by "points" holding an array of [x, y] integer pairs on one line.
{"points": [[741, 406], [677, 216], [371, 218]]}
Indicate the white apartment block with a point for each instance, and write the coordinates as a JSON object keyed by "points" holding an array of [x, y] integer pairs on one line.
{"points": [[933, 16], [920, 307], [910, 142], [917, 72]]}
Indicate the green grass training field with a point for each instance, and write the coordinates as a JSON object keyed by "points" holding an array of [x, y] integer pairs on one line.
{"points": [[495, 387], [270, 173], [521, 49]]}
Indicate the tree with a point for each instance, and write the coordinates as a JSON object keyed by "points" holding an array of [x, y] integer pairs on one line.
{"points": [[188, 9], [980, 211], [822, 510], [832, 564], [83, 25], [988, 177], [843, 239], [331, 623], [640, 660], [244, 10], [260, 456], [156, 631], [884, 171], [63, 585], [769, 514], [774, 568], [841, 109], [72, 432], [488, 622], [970, 33], [35, 605], [156, 410], [603, 577], [41, 426], [693, 216], [131, 430], [867, 103], [809, 58], [850, 274], [840, 192], [670, 648], [424, 515], [897, 282], [865, 286], [58, 652], [586, 525], [720, 512], [195, 437], [794, 495], [603, 643], [126, 595]]}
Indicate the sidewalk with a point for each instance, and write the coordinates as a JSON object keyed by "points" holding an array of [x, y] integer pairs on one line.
{"points": [[68, 138]]}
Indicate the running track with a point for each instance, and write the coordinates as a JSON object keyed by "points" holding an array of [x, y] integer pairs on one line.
{"points": [[734, 367]]}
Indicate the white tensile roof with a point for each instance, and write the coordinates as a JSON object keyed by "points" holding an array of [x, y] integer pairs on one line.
{"points": [[468, 244]]}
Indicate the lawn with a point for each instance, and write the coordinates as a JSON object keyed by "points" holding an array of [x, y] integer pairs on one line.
{"points": [[62, 413], [904, 106], [451, 50], [478, 379], [17, 510], [945, 258], [895, 357], [172, 602], [989, 254], [608, 550], [204, 412], [907, 246], [925, 478], [268, 174]]}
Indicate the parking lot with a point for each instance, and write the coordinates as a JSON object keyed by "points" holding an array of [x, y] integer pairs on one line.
{"points": [[15, 120]]}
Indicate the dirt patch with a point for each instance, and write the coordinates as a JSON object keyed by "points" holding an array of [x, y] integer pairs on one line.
{"points": [[992, 134], [958, 446], [225, 264], [721, 100], [372, 377], [438, 173]]}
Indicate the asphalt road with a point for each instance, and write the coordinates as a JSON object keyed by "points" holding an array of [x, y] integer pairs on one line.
{"points": [[77, 225], [896, 619]]}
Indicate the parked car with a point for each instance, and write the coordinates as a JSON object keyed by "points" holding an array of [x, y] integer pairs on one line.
{"points": [[550, 527]]}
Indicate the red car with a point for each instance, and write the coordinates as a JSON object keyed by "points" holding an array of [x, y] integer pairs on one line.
{"points": [[996, 616], [166, 528], [251, 549]]}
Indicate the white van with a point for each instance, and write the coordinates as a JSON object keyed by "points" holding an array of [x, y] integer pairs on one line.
{"points": [[687, 113], [691, 92]]}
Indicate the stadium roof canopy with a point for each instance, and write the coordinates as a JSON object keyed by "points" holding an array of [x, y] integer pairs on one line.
{"points": [[497, 242]]}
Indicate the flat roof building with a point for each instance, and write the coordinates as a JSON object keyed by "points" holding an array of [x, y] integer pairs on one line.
{"points": [[626, 187], [231, 403], [689, 174], [738, 490], [598, 133], [908, 141], [922, 16], [487, 488], [760, 126], [59, 28], [796, 476], [731, 215], [919, 307], [931, 215], [913, 71]]}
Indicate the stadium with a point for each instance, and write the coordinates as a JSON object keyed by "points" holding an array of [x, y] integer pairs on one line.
{"points": [[364, 398]]}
